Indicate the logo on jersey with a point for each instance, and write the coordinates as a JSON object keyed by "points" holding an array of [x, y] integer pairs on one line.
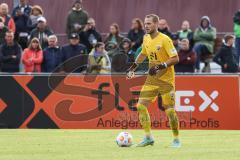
{"points": [[158, 47], [173, 51]]}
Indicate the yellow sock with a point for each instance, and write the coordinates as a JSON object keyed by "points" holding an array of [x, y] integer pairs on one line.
{"points": [[145, 119], [173, 120]]}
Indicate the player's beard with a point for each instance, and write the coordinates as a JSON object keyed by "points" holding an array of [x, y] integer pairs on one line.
{"points": [[152, 32]]}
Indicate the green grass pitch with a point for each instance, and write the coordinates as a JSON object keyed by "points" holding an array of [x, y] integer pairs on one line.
{"points": [[100, 145]]}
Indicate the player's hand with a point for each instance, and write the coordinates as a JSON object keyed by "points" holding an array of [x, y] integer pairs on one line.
{"points": [[130, 71], [154, 70], [130, 74]]}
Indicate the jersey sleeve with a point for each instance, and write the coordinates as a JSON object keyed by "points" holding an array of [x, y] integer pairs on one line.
{"points": [[169, 47], [144, 51]]}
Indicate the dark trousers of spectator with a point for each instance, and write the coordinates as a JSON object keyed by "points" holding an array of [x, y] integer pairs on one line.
{"points": [[184, 68], [10, 70], [22, 41], [237, 45], [200, 50]]}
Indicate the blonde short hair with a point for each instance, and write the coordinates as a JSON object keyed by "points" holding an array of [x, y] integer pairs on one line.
{"points": [[154, 17]]}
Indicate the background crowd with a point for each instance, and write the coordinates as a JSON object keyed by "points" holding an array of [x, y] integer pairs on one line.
{"points": [[28, 44]]}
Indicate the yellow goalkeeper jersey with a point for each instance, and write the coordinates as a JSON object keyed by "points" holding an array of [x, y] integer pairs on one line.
{"points": [[159, 50]]}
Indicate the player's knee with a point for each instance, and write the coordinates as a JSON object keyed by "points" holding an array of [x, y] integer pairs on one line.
{"points": [[171, 113], [143, 102], [169, 107], [141, 108], [168, 104]]}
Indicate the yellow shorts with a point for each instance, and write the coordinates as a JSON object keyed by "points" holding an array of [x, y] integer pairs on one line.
{"points": [[154, 87]]}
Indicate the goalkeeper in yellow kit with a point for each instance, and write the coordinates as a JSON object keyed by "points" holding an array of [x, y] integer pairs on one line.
{"points": [[162, 57]]}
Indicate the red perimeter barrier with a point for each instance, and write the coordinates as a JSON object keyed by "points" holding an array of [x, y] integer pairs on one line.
{"points": [[107, 102]]}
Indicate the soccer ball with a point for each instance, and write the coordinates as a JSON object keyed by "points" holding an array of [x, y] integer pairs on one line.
{"points": [[124, 139]]}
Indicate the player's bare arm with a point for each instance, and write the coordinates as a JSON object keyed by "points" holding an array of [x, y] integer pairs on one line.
{"points": [[130, 73], [172, 61]]}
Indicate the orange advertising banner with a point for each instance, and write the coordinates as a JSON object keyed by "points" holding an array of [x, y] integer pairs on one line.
{"points": [[108, 102]]}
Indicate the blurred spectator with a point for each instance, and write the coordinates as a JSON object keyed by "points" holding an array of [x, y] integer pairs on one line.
{"points": [[136, 34], [8, 20], [24, 8], [114, 36], [32, 57], [52, 56], [226, 57], [164, 28], [125, 48], [35, 14], [98, 60], [204, 37], [21, 15], [41, 32], [10, 54], [186, 32], [112, 49], [237, 33], [74, 55], [187, 58], [123, 59], [89, 36], [77, 18], [3, 30], [175, 40]]}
